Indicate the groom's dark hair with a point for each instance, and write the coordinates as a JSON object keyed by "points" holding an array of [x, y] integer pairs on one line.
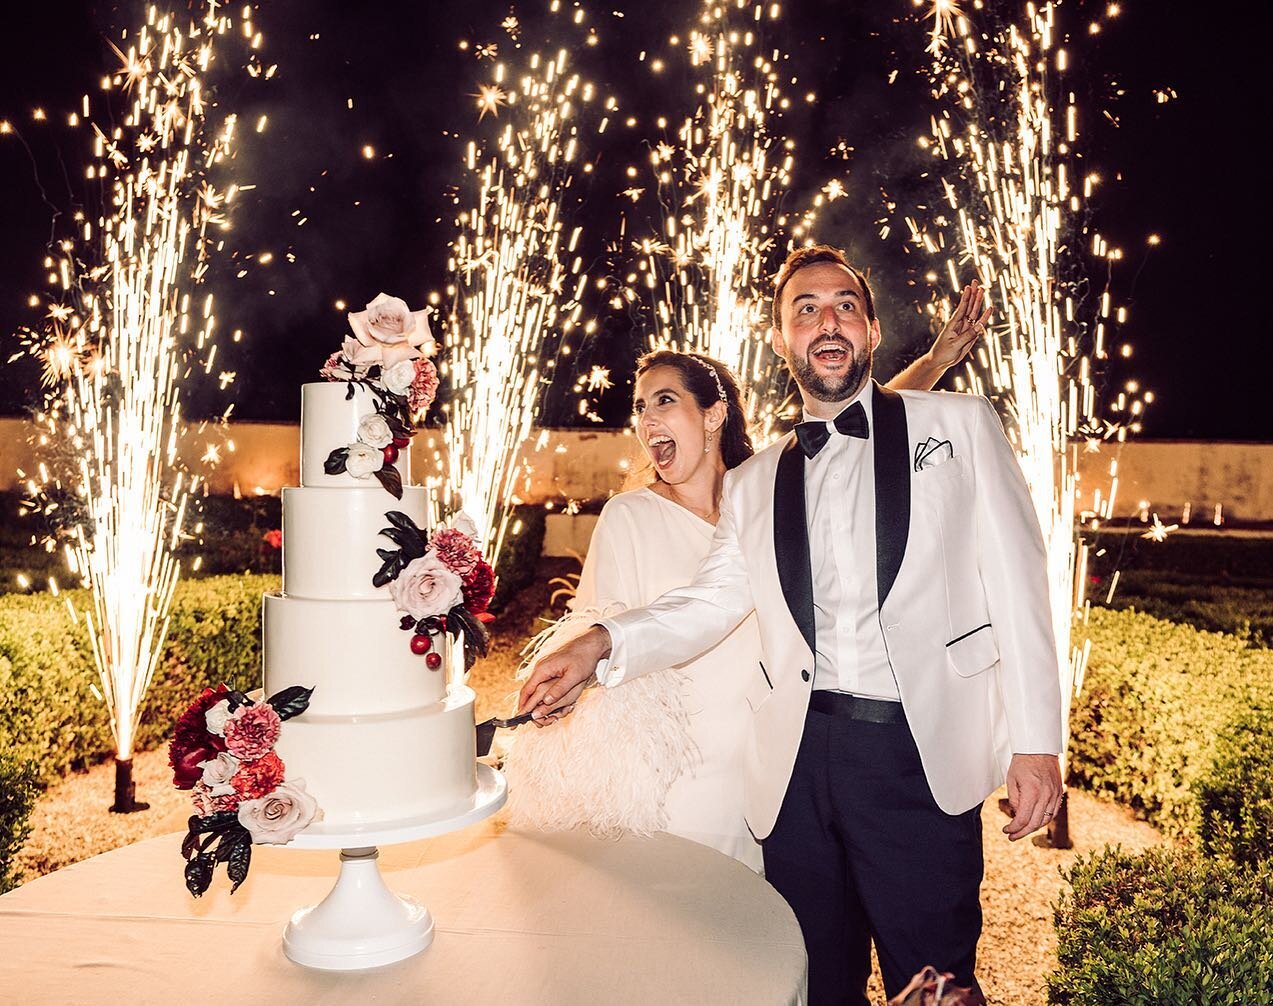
{"points": [[812, 255]]}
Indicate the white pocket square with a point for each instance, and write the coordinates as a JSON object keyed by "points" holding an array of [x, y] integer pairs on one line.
{"points": [[932, 453]]}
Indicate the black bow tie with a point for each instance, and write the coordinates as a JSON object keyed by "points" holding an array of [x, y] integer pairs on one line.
{"points": [[813, 435]]}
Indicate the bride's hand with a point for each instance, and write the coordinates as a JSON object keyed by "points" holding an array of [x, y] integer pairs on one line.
{"points": [[967, 324], [560, 677]]}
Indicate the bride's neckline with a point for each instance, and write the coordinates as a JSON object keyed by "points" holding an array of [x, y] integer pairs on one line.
{"points": [[683, 509]]}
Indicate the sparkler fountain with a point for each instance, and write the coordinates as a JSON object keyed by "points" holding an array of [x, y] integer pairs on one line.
{"points": [[123, 331], [719, 190], [515, 296], [1006, 135]]}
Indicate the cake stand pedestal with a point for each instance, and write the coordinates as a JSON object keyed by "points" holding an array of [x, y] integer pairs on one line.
{"points": [[361, 923]]}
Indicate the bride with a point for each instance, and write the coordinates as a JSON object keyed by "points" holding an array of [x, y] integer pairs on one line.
{"points": [[665, 752]]}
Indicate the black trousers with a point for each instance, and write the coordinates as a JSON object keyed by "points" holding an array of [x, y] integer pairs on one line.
{"points": [[861, 851]]}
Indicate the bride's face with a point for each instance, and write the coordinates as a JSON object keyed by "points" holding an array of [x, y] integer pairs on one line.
{"points": [[670, 424]]}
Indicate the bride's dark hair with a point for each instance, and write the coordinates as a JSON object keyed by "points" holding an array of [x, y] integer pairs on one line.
{"points": [[706, 379]]}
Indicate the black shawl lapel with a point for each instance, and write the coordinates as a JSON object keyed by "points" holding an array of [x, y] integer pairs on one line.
{"points": [[791, 539], [892, 487]]}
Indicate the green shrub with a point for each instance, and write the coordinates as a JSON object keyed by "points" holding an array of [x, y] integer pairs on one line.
{"points": [[18, 790], [1236, 796], [48, 712], [1155, 697], [1167, 928]]}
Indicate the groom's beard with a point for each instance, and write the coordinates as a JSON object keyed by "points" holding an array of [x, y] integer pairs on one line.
{"points": [[832, 389]]}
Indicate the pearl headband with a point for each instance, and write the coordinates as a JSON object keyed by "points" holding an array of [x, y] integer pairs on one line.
{"points": [[720, 387]]}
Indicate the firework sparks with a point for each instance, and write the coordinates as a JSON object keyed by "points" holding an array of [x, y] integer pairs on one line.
{"points": [[1008, 149], [518, 284], [123, 328], [718, 188]]}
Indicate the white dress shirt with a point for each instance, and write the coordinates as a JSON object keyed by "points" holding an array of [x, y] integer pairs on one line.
{"points": [[839, 485]]}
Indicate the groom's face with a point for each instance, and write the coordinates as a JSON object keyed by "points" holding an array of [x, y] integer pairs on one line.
{"points": [[825, 337]]}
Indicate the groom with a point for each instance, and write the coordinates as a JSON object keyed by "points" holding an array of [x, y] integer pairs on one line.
{"points": [[891, 550]]}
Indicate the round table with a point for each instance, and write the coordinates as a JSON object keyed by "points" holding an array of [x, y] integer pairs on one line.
{"points": [[522, 918]]}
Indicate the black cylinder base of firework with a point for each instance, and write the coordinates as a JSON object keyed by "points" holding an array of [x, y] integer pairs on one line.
{"points": [[125, 789], [1058, 834]]}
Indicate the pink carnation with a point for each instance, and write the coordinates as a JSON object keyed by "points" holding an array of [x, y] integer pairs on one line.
{"points": [[251, 731], [425, 386], [259, 778], [457, 552]]}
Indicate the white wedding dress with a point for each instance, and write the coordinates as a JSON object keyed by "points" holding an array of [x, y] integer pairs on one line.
{"points": [[663, 752]]}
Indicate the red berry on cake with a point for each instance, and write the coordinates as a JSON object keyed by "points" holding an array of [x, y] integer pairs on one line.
{"points": [[391, 454], [421, 644], [401, 442], [434, 660]]}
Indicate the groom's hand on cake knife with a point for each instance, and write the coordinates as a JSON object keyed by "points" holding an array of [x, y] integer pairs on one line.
{"points": [[560, 677]]}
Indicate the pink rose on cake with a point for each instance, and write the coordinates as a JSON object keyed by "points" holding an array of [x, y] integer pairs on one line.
{"points": [[392, 328], [251, 731], [426, 587], [205, 803], [217, 773], [276, 818]]}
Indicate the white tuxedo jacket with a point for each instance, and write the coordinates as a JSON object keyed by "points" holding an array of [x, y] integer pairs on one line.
{"points": [[960, 570]]}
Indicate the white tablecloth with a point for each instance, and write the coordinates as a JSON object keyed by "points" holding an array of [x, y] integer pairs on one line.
{"points": [[521, 919]]}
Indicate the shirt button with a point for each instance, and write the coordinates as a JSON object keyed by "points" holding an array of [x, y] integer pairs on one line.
{"points": [[891, 627], [836, 477], [805, 675]]}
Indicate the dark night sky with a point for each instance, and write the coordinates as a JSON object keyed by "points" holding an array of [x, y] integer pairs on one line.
{"points": [[1185, 170]]}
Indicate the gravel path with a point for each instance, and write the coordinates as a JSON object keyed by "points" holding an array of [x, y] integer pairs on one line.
{"points": [[71, 823]]}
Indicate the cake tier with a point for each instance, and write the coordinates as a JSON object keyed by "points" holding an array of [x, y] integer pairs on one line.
{"points": [[329, 420], [352, 653], [388, 767], [330, 537]]}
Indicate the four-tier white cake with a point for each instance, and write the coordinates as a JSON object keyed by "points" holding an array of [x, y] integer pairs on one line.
{"points": [[383, 739]]}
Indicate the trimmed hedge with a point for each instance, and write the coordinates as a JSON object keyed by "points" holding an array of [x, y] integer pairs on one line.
{"points": [[1156, 697], [48, 713], [18, 790], [1168, 928], [1235, 796]]}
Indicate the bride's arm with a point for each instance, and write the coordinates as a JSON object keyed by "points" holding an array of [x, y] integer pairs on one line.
{"points": [[966, 325]]}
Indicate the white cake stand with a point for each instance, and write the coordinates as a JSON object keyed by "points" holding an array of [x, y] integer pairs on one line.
{"points": [[361, 923]]}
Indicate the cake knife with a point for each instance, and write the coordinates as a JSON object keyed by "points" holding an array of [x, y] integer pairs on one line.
{"points": [[486, 731]]}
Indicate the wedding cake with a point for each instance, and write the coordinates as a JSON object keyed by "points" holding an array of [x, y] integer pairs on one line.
{"points": [[389, 733]]}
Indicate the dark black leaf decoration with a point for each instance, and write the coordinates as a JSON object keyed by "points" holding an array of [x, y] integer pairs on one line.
{"points": [[291, 701], [335, 463], [391, 480], [211, 840], [240, 859], [349, 390], [412, 543], [476, 639], [199, 874], [234, 699]]}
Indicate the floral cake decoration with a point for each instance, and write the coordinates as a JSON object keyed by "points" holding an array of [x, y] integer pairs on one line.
{"points": [[388, 354]]}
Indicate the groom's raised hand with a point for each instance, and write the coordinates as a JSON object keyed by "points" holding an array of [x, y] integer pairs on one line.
{"points": [[560, 677]]}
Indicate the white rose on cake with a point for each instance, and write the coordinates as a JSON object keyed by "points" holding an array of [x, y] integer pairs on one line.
{"points": [[275, 819], [216, 716], [399, 378], [218, 771], [426, 587], [399, 332], [363, 460], [373, 430]]}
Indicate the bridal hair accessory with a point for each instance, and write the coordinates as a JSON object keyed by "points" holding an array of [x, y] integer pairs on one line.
{"points": [[720, 387], [223, 751]]}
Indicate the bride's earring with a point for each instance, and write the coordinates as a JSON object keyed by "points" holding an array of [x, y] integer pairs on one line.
{"points": [[707, 448]]}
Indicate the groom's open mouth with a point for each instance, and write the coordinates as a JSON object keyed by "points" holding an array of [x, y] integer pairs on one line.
{"points": [[830, 354], [662, 449]]}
